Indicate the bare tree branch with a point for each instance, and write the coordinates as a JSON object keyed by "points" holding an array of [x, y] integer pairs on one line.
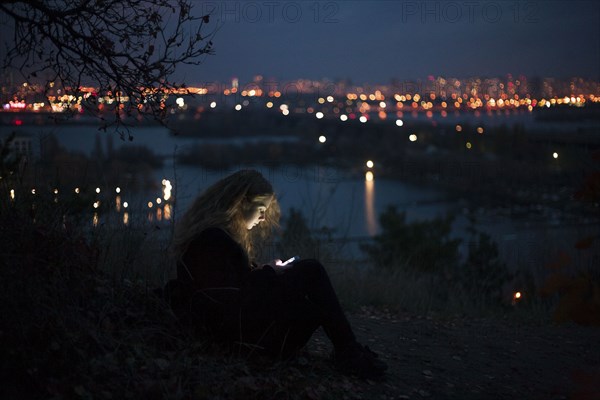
{"points": [[128, 49]]}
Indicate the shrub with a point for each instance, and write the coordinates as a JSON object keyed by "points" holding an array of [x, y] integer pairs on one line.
{"points": [[297, 238], [423, 246], [424, 252], [483, 275]]}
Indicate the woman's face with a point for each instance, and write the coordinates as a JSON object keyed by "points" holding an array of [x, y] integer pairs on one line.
{"points": [[255, 211]]}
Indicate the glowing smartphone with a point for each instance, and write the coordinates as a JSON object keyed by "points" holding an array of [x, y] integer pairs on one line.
{"points": [[290, 260]]}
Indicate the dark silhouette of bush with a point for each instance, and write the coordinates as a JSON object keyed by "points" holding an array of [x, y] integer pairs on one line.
{"points": [[426, 248], [420, 246], [296, 236], [483, 275]]}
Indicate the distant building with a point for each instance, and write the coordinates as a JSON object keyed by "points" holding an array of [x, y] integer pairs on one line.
{"points": [[21, 145]]}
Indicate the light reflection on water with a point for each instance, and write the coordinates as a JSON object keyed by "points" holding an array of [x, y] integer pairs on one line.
{"points": [[371, 219], [102, 207]]}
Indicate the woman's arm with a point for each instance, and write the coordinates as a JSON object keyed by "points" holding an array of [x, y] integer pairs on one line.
{"points": [[213, 259], [218, 270]]}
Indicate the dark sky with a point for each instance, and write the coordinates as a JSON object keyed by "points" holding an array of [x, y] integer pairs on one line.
{"points": [[374, 41]]}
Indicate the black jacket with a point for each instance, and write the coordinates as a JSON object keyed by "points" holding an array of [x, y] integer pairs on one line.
{"points": [[216, 282]]}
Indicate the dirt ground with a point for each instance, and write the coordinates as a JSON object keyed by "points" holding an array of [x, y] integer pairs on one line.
{"points": [[475, 359]]}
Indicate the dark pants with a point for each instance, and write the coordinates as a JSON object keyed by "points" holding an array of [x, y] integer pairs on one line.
{"points": [[278, 315]]}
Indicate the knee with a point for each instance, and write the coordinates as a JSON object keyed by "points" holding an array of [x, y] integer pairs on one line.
{"points": [[312, 268]]}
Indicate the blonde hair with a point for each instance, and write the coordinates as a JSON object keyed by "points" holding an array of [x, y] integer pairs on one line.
{"points": [[222, 205]]}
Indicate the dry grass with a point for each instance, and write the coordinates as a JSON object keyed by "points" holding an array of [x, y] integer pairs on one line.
{"points": [[400, 290]]}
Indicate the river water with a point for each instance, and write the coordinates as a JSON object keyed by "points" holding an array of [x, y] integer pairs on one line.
{"points": [[329, 197]]}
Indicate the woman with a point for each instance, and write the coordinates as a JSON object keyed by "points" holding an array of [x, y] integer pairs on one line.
{"points": [[272, 308]]}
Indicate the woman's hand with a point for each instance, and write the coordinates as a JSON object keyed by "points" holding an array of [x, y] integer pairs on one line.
{"points": [[278, 266], [275, 263]]}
